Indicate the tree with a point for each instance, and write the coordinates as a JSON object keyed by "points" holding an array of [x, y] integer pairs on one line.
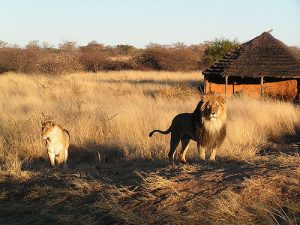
{"points": [[217, 50], [93, 56], [33, 44], [68, 46], [3, 44], [125, 49], [176, 57]]}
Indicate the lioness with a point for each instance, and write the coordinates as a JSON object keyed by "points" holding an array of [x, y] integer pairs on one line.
{"points": [[206, 125], [57, 143]]}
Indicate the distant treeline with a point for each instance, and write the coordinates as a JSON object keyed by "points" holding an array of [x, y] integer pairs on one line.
{"points": [[68, 57]]}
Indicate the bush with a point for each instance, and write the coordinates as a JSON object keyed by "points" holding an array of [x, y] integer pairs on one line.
{"points": [[65, 59], [9, 59], [93, 56], [177, 57], [115, 65], [59, 63], [35, 59], [68, 57], [125, 49]]}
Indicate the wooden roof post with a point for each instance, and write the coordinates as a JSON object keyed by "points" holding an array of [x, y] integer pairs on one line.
{"points": [[261, 85], [226, 82]]}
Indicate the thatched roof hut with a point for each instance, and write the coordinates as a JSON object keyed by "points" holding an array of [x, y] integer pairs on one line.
{"points": [[263, 65]]}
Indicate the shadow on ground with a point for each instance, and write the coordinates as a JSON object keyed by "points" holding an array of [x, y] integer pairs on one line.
{"points": [[288, 144], [97, 190]]}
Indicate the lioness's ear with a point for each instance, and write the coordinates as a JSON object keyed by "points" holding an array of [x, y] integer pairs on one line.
{"points": [[43, 122]]}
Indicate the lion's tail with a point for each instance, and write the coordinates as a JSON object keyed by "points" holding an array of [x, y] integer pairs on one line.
{"points": [[160, 131]]}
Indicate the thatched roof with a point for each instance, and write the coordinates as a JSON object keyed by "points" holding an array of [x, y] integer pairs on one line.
{"points": [[262, 56]]}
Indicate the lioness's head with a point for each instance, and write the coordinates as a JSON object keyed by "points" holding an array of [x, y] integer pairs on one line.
{"points": [[213, 107], [47, 128]]}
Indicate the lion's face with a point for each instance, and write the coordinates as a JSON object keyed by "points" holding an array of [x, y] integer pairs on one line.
{"points": [[213, 107], [47, 128]]}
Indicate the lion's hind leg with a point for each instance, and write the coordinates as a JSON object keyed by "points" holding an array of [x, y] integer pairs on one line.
{"points": [[174, 142], [185, 145]]}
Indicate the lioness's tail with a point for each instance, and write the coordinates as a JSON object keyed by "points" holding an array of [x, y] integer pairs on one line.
{"points": [[160, 131]]}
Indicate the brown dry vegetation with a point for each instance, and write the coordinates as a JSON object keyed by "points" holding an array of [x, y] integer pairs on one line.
{"points": [[71, 58], [118, 175]]}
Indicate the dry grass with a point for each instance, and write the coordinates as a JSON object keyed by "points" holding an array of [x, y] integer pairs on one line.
{"points": [[109, 115], [253, 124], [101, 111]]}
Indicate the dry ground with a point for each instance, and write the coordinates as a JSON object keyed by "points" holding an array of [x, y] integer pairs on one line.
{"points": [[118, 175]]}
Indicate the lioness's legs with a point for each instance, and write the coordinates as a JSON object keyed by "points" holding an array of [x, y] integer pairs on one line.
{"points": [[173, 145], [60, 159], [213, 154], [65, 159], [51, 158], [185, 145]]}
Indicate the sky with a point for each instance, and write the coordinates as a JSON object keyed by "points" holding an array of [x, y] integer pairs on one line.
{"points": [[140, 22]]}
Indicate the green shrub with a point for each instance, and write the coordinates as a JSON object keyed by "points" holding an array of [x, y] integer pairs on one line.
{"points": [[217, 50]]}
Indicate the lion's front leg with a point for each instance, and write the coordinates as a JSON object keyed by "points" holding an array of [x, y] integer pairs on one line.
{"points": [[51, 158], [61, 162], [201, 151], [213, 155]]}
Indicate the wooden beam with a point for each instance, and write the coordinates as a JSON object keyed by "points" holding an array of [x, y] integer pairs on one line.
{"points": [[261, 85], [204, 86], [226, 82], [298, 92]]}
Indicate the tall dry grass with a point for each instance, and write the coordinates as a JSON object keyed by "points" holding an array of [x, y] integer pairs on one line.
{"points": [[253, 123], [112, 114], [115, 111]]}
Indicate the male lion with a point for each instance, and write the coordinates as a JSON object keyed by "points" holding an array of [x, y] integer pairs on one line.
{"points": [[57, 143], [206, 125]]}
